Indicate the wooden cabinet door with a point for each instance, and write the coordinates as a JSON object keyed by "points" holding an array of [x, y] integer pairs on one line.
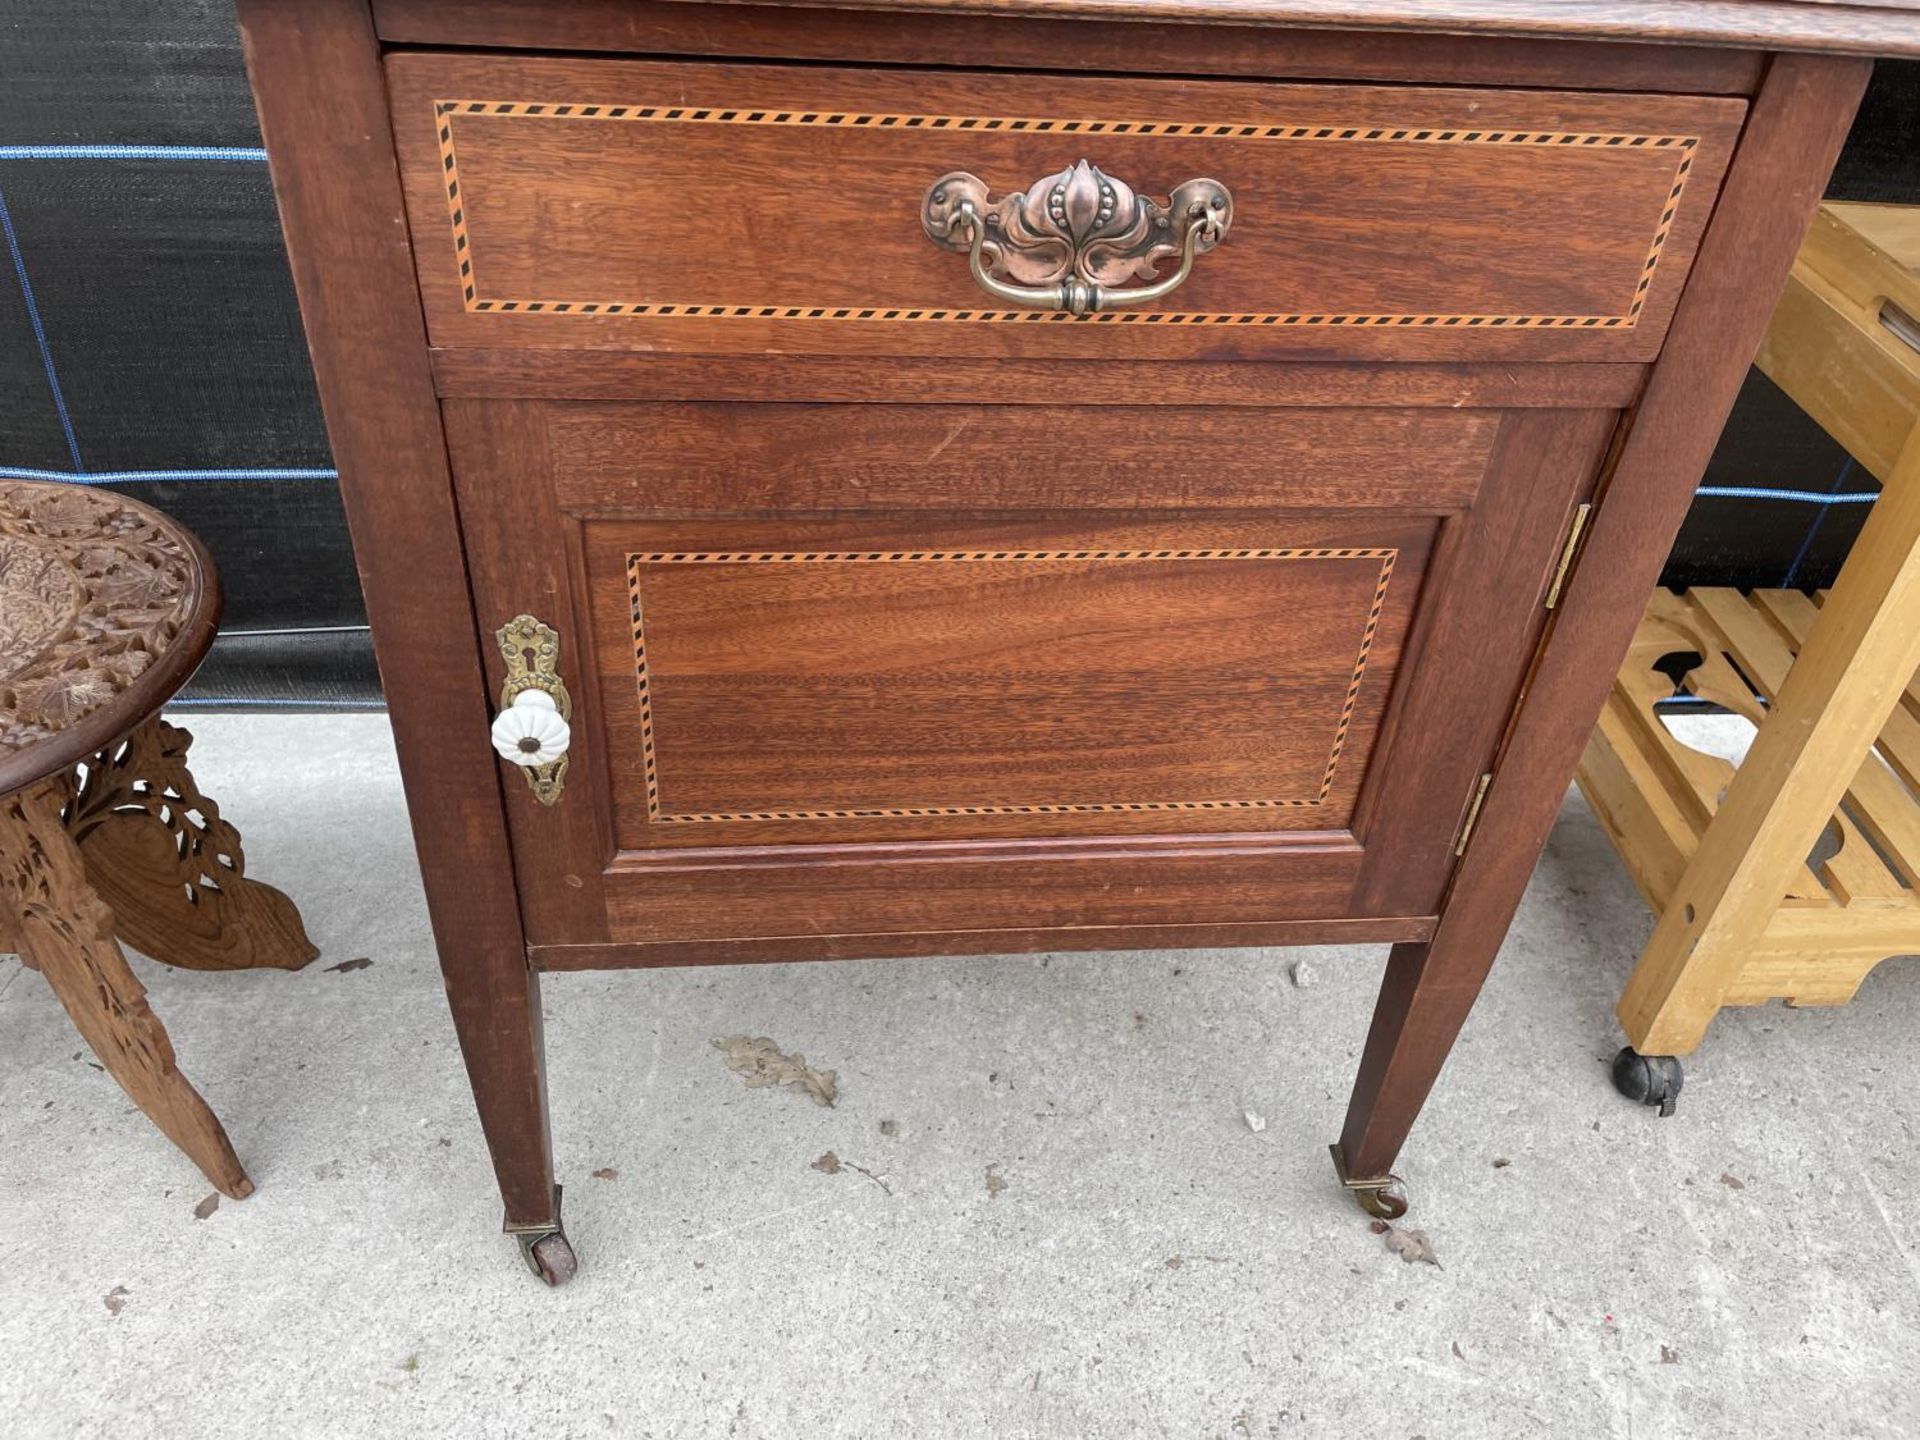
{"points": [[864, 678]]}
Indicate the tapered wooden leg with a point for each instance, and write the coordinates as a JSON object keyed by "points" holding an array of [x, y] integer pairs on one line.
{"points": [[1424, 1001], [321, 89], [496, 1011], [68, 930], [1794, 131]]}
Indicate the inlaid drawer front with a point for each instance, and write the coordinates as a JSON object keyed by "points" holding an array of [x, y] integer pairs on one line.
{"points": [[751, 208]]}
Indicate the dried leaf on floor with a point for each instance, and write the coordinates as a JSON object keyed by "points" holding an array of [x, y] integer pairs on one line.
{"points": [[1733, 1182], [608, 1173], [207, 1206], [996, 1182], [828, 1164], [347, 967], [116, 1299], [1412, 1246], [760, 1062], [1669, 1356]]}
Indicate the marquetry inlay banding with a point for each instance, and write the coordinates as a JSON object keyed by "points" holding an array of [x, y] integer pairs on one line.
{"points": [[1680, 147], [657, 814]]}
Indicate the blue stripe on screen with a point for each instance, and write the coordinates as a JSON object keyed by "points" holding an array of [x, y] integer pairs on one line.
{"points": [[132, 152]]}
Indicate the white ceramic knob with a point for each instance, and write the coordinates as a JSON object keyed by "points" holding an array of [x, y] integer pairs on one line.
{"points": [[530, 731]]}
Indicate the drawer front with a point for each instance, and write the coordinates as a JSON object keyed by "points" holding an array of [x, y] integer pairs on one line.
{"points": [[833, 674], [729, 208]]}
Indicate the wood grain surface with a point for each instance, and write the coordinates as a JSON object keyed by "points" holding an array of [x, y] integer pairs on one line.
{"points": [[1159, 635], [1046, 674], [1821, 26], [314, 65], [781, 949], [554, 203], [1027, 42], [826, 379], [720, 459]]}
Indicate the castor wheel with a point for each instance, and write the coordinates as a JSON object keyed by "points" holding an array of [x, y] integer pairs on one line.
{"points": [[1389, 1202], [546, 1249], [1650, 1079], [551, 1257], [1384, 1197]]}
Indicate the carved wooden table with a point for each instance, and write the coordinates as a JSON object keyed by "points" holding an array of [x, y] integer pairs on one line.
{"points": [[106, 607], [894, 479]]}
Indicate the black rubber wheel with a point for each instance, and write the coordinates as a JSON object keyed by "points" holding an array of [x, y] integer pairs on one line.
{"points": [[1387, 1203], [1653, 1080], [553, 1260]]}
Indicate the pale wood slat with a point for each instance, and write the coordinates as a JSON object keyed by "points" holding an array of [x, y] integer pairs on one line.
{"points": [[1764, 655], [1644, 819], [1881, 799]]}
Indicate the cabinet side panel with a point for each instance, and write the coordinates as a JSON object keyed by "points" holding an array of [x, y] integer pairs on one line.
{"points": [[315, 69]]}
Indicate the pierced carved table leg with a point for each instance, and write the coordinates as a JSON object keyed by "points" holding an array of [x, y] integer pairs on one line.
{"points": [[171, 868], [10, 941], [68, 929]]}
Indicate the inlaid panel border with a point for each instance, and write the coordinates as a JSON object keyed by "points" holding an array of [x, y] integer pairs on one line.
{"points": [[637, 562], [1682, 148]]}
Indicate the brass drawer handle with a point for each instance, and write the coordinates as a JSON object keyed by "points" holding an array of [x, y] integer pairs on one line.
{"points": [[1067, 241], [531, 730]]}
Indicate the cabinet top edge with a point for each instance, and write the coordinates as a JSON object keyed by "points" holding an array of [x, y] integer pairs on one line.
{"points": [[1839, 27]]}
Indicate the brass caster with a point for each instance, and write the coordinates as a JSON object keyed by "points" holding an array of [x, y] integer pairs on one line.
{"points": [[1384, 1197], [1388, 1202], [546, 1249]]}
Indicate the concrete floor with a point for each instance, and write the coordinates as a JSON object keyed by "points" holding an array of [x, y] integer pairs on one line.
{"points": [[1152, 1266]]}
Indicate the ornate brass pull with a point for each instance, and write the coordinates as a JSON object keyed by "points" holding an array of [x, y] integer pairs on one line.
{"points": [[1067, 242], [531, 730]]}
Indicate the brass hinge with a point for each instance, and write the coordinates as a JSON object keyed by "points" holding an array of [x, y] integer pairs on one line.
{"points": [[1473, 814], [1574, 532]]}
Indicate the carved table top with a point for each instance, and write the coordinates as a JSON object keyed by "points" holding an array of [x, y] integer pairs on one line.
{"points": [[106, 606]]}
